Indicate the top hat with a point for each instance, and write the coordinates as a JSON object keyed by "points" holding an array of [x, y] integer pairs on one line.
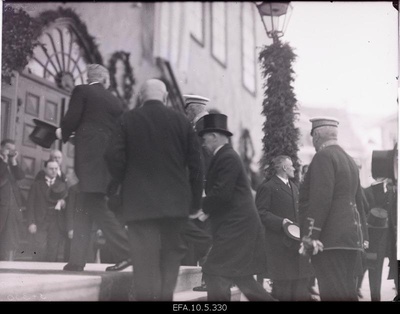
{"points": [[384, 163], [215, 122], [44, 134], [378, 218], [322, 121], [292, 230], [57, 191], [190, 99]]}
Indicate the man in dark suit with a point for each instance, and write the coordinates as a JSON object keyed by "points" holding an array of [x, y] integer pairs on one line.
{"points": [[197, 233], [10, 199], [156, 156], [46, 202], [330, 203], [380, 195], [238, 241], [277, 204], [93, 114]]}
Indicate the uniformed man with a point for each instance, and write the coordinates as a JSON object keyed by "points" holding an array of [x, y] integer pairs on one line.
{"points": [[330, 203]]}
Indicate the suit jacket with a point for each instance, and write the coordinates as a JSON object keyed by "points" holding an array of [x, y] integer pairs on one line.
{"points": [[331, 195], [39, 204], [93, 115], [238, 239], [9, 189], [276, 201], [155, 154]]}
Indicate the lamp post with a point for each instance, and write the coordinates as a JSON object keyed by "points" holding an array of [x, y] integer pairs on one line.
{"points": [[275, 17], [281, 136]]}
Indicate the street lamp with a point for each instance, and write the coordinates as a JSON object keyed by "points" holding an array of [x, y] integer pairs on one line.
{"points": [[275, 17]]}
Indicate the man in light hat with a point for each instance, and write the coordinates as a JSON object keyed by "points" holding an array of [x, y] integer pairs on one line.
{"points": [[330, 205], [197, 231], [238, 241], [156, 155], [92, 114]]}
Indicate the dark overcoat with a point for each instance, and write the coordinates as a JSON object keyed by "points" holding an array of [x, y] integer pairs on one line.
{"points": [[155, 154], [331, 196], [238, 239], [8, 189], [93, 115], [276, 201], [40, 205]]}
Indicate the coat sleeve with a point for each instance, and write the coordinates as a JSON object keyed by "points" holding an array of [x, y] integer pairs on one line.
{"points": [[361, 202], [321, 191], [70, 209], [72, 118], [196, 169], [30, 208], [115, 154], [227, 170], [264, 204], [17, 172]]}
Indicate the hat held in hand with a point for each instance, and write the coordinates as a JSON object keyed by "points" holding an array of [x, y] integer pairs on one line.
{"points": [[378, 218], [44, 134], [57, 191]]}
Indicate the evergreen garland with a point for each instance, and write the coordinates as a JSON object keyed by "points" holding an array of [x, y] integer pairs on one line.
{"points": [[281, 137], [47, 17], [129, 79], [19, 40]]}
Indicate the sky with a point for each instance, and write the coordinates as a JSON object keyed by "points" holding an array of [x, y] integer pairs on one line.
{"points": [[347, 55]]}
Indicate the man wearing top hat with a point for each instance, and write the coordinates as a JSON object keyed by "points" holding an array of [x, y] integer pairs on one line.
{"points": [[46, 201], [93, 115], [238, 241], [331, 221], [277, 203]]}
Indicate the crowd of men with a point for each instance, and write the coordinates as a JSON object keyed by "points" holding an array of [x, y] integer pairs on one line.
{"points": [[167, 189]]}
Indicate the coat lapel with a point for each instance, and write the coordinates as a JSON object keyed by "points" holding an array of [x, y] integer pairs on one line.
{"points": [[283, 186]]}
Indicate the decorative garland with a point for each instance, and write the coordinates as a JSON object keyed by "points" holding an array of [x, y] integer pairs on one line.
{"points": [[128, 77], [19, 40], [47, 17]]}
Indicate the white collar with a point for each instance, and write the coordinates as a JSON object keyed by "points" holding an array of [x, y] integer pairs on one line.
{"points": [[94, 83], [217, 149], [283, 179], [49, 179]]}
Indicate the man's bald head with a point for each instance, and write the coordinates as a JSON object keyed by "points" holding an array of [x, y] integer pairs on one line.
{"points": [[153, 89]]}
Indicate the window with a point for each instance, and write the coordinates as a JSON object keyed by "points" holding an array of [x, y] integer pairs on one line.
{"points": [[219, 32], [248, 47], [197, 21]]}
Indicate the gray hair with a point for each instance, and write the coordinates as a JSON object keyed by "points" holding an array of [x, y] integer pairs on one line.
{"points": [[278, 160], [326, 132], [97, 73]]}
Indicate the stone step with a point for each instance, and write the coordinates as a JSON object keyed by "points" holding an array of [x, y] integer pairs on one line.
{"points": [[200, 296], [40, 281]]}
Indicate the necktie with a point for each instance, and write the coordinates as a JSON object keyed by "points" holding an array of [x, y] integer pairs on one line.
{"points": [[288, 184]]}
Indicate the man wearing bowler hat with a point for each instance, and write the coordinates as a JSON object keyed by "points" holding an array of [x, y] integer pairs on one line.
{"points": [[277, 203], [330, 206], [238, 241], [92, 114]]}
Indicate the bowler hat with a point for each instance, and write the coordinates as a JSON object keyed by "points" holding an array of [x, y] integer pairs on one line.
{"points": [[377, 218], [322, 121], [57, 191], [384, 163], [215, 122], [292, 230], [44, 134]]}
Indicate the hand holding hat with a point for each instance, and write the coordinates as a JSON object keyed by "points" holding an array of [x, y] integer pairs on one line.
{"points": [[310, 247]]}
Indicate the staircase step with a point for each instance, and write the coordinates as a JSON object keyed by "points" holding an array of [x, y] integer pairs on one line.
{"points": [[201, 296]]}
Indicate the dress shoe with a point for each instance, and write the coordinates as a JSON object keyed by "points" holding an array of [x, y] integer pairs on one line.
{"points": [[202, 287], [120, 266], [72, 267]]}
